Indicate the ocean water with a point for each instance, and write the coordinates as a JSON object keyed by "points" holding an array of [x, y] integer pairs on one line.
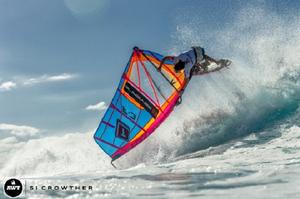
{"points": [[235, 135]]}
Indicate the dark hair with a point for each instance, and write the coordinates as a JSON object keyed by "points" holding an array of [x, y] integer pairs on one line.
{"points": [[179, 65]]}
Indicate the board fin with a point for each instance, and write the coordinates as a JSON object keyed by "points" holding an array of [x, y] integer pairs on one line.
{"points": [[111, 162]]}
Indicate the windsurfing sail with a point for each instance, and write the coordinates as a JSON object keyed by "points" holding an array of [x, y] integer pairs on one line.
{"points": [[143, 100]]}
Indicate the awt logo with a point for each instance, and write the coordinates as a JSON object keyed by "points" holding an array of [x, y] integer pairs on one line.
{"points": [[13, 188]]}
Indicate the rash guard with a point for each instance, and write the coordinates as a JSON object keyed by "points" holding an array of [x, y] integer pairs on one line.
{"points": [[190, 58]]}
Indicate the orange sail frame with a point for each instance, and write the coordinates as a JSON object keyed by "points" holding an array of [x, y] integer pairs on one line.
{"points": [[144, 98]]}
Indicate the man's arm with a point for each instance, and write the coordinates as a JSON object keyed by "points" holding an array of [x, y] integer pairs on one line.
{"points": [[164, 60], [210, 59], [186, 82]]}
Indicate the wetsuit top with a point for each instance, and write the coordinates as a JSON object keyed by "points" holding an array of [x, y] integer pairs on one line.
{"points": [[189, 58]]}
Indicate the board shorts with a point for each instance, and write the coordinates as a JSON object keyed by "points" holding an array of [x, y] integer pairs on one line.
{"points": [[199, 53]]}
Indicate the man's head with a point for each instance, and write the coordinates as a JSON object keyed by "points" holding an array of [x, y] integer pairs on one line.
{"points": [[179, 66]]}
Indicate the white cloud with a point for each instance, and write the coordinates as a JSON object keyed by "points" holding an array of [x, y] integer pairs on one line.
{"points": [[61, 77], [9, 140], [47, 78], [21, 131], [82, 7], [97, 107], [7, 86]]}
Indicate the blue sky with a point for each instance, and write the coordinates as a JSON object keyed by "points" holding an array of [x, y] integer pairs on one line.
{"points": [[59, 57]]}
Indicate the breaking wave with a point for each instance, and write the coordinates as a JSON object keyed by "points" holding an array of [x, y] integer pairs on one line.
{"points": [[260, 92]]}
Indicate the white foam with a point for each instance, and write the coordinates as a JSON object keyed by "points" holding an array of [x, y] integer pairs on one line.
{"points": [[265, 51], [71, 153]]}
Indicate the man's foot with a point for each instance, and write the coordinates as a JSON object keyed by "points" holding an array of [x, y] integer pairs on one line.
{"points": [[224, 62], [204, 66]]}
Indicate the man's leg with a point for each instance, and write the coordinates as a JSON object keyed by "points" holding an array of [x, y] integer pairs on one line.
{"points": [[221, 62], [210, 59], [203, 65], [199, 69]]}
